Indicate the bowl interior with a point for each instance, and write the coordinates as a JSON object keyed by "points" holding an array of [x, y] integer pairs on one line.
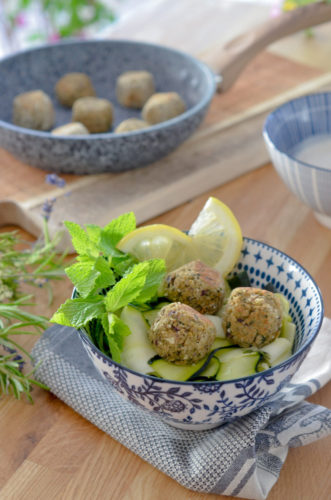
{"points": [[299, 119], [103, 61], [265, 264]]}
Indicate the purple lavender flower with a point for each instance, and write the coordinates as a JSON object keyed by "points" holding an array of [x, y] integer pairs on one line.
{"points": [[55, 180], [48, 207], [17, 358]]}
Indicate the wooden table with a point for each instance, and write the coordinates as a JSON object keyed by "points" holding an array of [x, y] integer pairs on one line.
{"points": [[49, 452]]}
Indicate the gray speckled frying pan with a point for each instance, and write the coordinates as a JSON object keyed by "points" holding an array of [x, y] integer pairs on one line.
{"points": [[104, 61]]}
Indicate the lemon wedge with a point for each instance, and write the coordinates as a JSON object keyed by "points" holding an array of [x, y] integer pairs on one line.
{"points": [[216, 236], [159, 241]]}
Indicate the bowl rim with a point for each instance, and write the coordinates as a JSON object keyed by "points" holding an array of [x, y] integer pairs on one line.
{"points": [[264, 373], [269, 141], [203, 102]]}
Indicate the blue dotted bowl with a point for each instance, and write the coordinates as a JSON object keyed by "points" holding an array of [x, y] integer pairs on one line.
{"points": [[204, 405], [284, 129]]}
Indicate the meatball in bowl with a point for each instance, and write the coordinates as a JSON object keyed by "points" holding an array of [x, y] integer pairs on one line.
{"points": [[201, 318]]}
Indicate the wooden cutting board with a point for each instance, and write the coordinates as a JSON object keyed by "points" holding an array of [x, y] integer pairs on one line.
{"points": [[228, 144]]}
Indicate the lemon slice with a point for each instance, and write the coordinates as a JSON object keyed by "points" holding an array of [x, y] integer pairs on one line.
{"points": [[159, 241], [216, 236]]}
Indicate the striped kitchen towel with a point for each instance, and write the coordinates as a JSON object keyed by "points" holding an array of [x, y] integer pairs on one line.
{"points": [[247, 455]]}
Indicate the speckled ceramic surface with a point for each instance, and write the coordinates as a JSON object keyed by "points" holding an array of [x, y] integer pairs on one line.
{"points": [[203, 405], [103, 61]]}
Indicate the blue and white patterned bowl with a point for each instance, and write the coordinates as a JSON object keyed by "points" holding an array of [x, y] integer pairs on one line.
{"points": [[284, 129], [204, 405]]}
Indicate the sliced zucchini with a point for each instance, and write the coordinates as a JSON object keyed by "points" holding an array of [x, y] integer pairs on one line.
{"points": [[151, 314], [288, 332], [262, 365], [285, 304], [238, 366], [283, 357], [276, 350], [218, 343], [211, 370], [228, 353], [170, 371], [218, 323], [137, 349]]}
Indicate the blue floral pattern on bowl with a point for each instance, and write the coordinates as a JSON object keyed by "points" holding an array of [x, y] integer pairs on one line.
{"points": [[203, 405]]}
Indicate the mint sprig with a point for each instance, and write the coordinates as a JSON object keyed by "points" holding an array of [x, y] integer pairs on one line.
{"points": [[107, 280], [78, 312]]}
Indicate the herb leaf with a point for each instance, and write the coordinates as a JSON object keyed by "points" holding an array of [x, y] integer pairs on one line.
{"points": [[127, 289], [80, 240], [93, 232], [114, 232], [156, 271], [83, 275], [78, 312], [123, 263], [116, 331], [90, 274], [106, 276]]}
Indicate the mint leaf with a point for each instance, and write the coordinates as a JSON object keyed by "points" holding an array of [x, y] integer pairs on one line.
{"points": [[80, 240], [116, 331], [114, 232], [156, 271], [93, 232], [127, 289], [106, 276], [83, 275], [78, 312], [123, 263], [90, 274]]}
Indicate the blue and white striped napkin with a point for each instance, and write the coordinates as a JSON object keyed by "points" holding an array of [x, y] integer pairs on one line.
{"points": [[243, 458]]}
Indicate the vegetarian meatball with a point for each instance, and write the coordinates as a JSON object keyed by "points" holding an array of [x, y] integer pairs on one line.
{"points": [[133, 88], [74, 128], [96, 114], [181, 335], [72, 86], [196, 285], [130, 124], [252, 317], [163, 106], [33, 110]]}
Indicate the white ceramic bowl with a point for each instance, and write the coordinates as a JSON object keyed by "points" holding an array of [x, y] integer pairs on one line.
{"points": [[203, 405], [284, 129]]}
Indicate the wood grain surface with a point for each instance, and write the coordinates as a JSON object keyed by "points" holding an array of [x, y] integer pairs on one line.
{"points": [[49, 452], [268, 75], [228, 144]]}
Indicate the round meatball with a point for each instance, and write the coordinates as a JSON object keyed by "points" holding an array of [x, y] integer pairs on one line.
{"points": [[129, 125], [133, 88], [96, 114], [163, 106], [72, 86], [74, 128], [181, 335], [33, 110], [196, 285], [252, 317]]}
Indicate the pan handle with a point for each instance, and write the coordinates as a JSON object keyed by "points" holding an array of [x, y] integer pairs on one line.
{"points": [[233, 57]]}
